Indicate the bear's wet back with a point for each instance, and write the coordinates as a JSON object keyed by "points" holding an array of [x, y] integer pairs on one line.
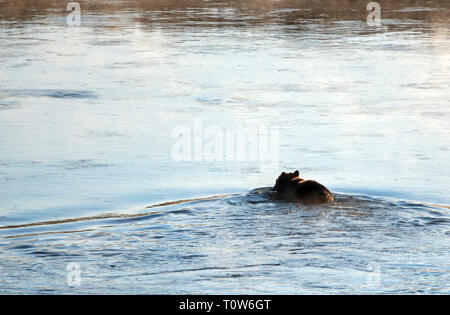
{"points": [[290, 187]]}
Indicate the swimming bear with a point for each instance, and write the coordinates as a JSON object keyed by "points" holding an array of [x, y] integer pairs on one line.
{"points": [[290, 187]]}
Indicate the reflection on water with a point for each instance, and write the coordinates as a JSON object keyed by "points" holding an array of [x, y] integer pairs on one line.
{"points": [[86, 115], [238, 12]]}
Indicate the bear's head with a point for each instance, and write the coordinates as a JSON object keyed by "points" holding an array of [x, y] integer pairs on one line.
{"points": [[285, 180]]}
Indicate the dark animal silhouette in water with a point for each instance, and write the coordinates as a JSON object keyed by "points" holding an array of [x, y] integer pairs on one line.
{"points": [[290, 187]]}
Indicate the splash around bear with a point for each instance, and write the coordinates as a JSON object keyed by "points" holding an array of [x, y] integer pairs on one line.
{"points": [[290, 187]]}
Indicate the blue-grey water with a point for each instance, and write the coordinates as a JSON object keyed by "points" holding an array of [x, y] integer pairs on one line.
{"points": [[86, 120]]}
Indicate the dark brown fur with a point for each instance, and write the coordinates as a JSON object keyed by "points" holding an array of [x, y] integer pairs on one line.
{"points": [[289, 186]]}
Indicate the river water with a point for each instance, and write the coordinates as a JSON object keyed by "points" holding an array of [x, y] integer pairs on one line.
{"points": [[87, 115]]}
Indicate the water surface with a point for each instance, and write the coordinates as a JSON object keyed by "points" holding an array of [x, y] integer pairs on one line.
{"points": [[86, 115]]}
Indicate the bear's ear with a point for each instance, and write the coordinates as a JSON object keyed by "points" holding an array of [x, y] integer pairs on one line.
{"points": [[296, 173], [283, 173]]}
